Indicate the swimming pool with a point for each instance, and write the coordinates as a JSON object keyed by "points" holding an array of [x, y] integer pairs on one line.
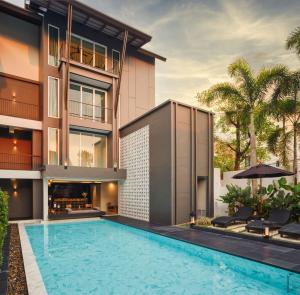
{"points": [[103, 257]]}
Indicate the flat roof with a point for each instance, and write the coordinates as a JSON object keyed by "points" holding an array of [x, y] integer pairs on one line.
{"points": [[162, 105], [93, 18]]}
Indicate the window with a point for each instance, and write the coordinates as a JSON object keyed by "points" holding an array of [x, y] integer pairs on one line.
{"points": [[116, 61], [100, 56], [87, 149], [53, 144], [88, 52], [87, 102], [53, 46], [53, 105], [99, 113], [75, 48], [75, 99]]}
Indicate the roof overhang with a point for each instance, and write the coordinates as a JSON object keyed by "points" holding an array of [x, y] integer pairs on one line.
{"points": [[92, 18], [19, 12], [152, 54]]}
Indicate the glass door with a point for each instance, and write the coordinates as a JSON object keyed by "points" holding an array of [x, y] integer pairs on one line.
{"points": [[87, 103], [99, 106]]}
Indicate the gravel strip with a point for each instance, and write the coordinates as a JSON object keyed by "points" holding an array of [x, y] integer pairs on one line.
{"points": [[16, 276]]}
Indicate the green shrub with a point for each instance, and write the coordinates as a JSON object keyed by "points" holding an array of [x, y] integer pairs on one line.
{"points": [[283, 195], [279, 194], [3, 219], [238, 197]]}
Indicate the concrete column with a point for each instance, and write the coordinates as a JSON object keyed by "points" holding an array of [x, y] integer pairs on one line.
{"points": [[37, 199], [45, 199]]}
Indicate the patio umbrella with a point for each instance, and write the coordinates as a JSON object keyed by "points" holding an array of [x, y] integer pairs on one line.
{"points": [[262, 171]]}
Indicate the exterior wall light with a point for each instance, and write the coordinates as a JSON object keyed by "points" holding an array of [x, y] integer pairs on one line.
{"points": [[66, 165], [192, 218], [14, 96]]}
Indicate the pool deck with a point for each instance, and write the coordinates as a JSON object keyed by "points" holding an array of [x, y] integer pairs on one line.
{"points": [[287, 258]]}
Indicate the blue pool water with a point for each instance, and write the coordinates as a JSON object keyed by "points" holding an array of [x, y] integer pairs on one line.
{"points": [[103, 257]]}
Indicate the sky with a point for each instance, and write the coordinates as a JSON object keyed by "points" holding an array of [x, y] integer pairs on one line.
{"points": [[200, 38]]}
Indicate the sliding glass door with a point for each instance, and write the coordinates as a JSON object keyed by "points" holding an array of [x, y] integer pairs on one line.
{"points": [[87, 102], [87, 149]]}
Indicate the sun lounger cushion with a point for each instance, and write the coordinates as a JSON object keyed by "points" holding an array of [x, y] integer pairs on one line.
{"points": [[259, 225], [292, 229], [242, 215], [223, 220]]}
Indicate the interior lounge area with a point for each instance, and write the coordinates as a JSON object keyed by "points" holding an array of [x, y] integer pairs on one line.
{"points": [[77, 199]]}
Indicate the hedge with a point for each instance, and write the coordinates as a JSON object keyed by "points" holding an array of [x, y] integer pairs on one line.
{"points": [[3, 219]]}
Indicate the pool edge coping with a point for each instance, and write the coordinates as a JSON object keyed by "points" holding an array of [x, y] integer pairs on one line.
{"points": [[34, 280]]}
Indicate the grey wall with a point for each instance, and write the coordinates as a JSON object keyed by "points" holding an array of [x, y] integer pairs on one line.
{"points": [[37, 199], [160, 174], [181, 151], [193, 159], [20, 203]]}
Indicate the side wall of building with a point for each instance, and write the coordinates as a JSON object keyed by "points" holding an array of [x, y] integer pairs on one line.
{"points": [[157, 158], [180, 163], [192, 162], [19, 50]]}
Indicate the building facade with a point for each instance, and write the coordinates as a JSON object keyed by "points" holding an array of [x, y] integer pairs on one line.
{"points": [[71, 78]]}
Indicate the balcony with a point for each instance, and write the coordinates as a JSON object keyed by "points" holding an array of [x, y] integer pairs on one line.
{"points": [[14, 108], [90, 112], [11, 161], [92, 59]]}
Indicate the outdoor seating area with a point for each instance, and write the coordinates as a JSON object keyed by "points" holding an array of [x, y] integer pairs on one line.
{"points": [[270, 212], [275, 226]]}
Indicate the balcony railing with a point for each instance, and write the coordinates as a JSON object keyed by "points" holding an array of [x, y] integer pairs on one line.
{"points": [[16, 161], [90, 111], [92, 59], [14, 108]]}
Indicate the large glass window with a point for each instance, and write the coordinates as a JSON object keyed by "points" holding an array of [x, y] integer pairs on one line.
{"points": [[87, 149], [99, 106], [53, 105], [87, 102], [88, 52], [75, 48], [100, 56], [74, 146], [75, 99], [53, 146], [53, 46], [116, 61]]}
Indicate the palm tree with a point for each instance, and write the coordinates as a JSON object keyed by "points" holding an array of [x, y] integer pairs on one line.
{"points": [[248, 92], [293, 41], [233, 118], [285, 106]]}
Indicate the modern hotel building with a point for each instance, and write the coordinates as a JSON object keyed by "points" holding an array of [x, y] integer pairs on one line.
{"points": [[79, 130]]}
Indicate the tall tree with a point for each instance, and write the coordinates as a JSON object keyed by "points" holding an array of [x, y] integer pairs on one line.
{"points": [[285, 105], [293, 41], [233, 122], [248, 91]]}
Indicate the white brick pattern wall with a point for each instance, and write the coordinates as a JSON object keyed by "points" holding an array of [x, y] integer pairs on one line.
{"points": [[134, 191]]}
